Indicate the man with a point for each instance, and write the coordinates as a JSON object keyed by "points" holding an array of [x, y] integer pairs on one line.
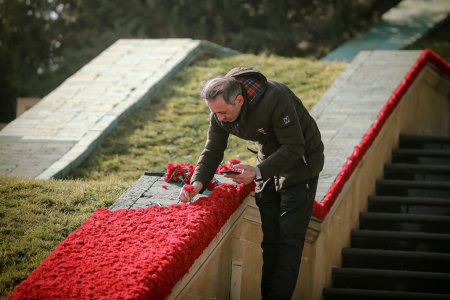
{"points": [[290, 156]]}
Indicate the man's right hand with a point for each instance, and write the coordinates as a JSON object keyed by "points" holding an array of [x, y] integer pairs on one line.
{"points": [[187, 196]]}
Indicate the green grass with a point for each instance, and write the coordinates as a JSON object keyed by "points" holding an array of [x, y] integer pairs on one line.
{"points": [[36, 215]]}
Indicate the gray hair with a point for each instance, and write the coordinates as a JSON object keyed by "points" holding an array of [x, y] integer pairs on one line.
{"points": [[226, 86]]}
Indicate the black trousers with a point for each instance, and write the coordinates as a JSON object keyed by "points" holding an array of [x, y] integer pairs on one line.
{"points": [[285, 216]]}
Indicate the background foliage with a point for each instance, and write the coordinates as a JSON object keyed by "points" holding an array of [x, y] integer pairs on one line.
{"points": [[42, 42]]}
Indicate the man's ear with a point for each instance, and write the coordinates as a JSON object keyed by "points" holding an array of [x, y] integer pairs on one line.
{"points": [[240, 100]]}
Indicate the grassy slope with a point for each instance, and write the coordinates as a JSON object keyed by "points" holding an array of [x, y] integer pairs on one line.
{"points": [[35, 215]]}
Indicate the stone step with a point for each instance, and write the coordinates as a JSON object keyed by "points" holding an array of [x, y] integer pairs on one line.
{"points": [[393, 280], [405, 204], [396, 260], [414, 171], [400, 240], [404, 222], [415, 188], [358, 294]]}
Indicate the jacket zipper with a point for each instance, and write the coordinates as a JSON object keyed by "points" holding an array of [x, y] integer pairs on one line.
{"points": [[309, 170]]}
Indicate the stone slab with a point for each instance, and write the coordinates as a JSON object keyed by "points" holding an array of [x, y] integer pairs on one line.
{"points": [[29, 157], [71, 121], [151, 189]]}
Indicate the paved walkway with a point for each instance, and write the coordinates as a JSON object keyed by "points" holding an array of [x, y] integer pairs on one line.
{"points": [[401, 26], [58, 133], [349, 108]]}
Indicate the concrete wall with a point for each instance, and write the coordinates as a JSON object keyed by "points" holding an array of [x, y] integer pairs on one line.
{"points": [[230, 268]]}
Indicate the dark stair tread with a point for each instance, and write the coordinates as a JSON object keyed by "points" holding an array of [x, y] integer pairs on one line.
{"points": [[390, 273], [400, 234], [421, 152], [410, 200], [414, 202], [423, 138], [417, 171], [400, 240], [384, 259], [417, 184], [411, 167], [403, 217], [382, 294], [395, 280], [423, 188], [396, 253], [395, 259]]}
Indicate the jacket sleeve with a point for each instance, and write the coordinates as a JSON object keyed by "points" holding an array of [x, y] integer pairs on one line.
{"points": [[288, 132], [212, 154]]}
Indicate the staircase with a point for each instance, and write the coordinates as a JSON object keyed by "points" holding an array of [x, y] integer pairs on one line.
{"points": [[401, 249]]}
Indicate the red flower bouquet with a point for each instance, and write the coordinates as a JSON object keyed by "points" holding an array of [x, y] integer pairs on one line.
{"points": [[229, 166], [182, 172], [189, 188]]}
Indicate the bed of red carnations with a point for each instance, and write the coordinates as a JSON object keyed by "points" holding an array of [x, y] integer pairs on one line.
{"points": [[135, 253], [142, 253]]}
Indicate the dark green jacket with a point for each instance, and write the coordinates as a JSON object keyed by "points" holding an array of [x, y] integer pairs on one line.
{"points": [[287, 138]]}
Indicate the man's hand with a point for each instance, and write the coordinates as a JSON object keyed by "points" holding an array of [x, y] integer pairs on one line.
{"points": [[248, 174], [187, 196]]}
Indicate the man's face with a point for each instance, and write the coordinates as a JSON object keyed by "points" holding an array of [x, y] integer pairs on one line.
{"points": [[225, 112]]}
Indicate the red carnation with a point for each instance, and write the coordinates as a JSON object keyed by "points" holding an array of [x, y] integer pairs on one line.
{"points": [[212, 184], [189, 188], [234, 161]]}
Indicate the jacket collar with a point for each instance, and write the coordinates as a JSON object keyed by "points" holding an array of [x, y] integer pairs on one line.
{"points": [[254, 85]]}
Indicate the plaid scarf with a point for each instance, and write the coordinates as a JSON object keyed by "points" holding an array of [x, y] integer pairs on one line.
{"points": [[252, 87]]}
